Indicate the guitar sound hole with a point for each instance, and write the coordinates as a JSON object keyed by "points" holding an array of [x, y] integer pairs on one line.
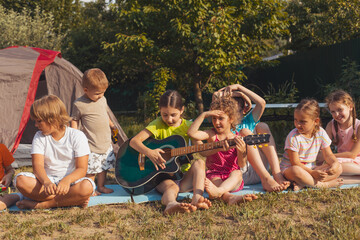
{"points": [[167, 155]]}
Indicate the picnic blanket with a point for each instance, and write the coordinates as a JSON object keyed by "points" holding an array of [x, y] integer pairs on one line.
{"points": [[121, 196]]}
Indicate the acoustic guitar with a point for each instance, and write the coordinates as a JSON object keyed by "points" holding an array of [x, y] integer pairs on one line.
{"points": [[137, 174]]}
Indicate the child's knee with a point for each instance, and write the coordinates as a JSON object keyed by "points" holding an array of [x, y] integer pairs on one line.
{"points": [[262, 127], [21, 181], [245, 132], [236, 173], [198, 165], [86, 189]]}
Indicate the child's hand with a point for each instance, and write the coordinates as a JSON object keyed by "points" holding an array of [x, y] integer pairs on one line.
{"points": [[155, 156], [318, 175], [333, 168], [50, 188], [6, 180], [214, 113], [226, 146], [247, 101], [240, 144], [63, 187]]}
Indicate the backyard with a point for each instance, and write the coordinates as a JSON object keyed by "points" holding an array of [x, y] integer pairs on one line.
{"points": [[317, 214]]}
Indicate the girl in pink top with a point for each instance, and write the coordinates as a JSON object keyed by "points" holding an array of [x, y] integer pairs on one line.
{"points": [[223, 175], [302, 147], [344, 132]]}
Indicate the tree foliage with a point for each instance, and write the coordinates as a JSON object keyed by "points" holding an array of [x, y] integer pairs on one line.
{"points": [[204, 44], [64, 12], [323, 22], [24, 30], [83, 44]]}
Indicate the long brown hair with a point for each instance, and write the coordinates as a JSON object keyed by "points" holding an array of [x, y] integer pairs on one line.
{"points": [[342, 97], [310, 107]]}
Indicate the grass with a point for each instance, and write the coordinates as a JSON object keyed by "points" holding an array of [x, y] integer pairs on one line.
{"points": [[311, 214], [316, 214]]}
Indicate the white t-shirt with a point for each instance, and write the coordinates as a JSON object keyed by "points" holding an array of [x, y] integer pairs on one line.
{"points": [[60, 155]]}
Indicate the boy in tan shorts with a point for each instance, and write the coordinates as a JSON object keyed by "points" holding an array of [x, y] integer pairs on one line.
{"points": [[90, 111]]}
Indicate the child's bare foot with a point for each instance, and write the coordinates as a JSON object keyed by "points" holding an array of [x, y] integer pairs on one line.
{"points": [[237, 199], [104, 189], [270, 185], [96, 193], [297, 187], [27, 204], [176, 207], [212, 190], [279, 178], [202, 203], [330, 184], [84, 204]]}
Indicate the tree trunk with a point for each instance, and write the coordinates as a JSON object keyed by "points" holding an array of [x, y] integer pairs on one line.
{"points": [[198, 98]]}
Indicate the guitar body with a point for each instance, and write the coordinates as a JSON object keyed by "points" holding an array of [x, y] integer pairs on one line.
{"points": [[136, 181]]}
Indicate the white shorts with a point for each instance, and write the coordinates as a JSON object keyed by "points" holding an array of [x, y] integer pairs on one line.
{"points": [[101, 162], [55, 180], [285, 164]]}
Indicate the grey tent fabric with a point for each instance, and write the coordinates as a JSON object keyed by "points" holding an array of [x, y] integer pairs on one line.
{"points": [[59, 77]]}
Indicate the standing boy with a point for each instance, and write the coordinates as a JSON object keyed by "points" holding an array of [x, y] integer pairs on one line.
{"points": [[91, 111]]}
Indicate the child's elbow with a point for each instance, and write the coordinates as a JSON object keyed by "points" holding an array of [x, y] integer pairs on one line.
{"points": [[262, 103]]}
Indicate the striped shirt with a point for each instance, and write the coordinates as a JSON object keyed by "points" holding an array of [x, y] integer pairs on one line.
{"points": [[307, 148]]}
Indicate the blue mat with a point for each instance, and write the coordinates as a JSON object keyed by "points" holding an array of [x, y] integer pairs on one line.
{"points": [[121, 196]]}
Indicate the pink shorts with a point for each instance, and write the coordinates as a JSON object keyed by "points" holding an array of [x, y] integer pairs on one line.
{"points": [[223, 177]]}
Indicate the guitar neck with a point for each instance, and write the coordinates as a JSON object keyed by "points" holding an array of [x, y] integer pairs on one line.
{"points": [[250, 140], [200, 147]]}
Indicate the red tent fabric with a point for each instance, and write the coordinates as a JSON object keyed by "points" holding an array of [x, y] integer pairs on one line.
{"points": [[28, 73]]}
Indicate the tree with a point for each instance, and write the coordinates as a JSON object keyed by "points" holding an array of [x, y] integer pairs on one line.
{"points": [[83, 43], [201, 45], [24, 30], [64, 12], [323, 22]]}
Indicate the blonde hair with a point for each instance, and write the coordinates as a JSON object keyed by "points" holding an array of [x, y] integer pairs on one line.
{"points": [[50, 109], [311, 108], [228, 105], [94, 78], [342, 97]]}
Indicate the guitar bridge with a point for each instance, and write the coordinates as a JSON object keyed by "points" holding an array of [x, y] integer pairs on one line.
{"points": [[141, 161]]}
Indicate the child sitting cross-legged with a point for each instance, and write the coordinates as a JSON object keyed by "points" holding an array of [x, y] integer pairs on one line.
{"points": [[59, 160], [302, 146], [223, 175]]}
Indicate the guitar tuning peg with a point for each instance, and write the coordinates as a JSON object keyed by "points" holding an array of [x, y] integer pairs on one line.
{"points": [[266, 145]]}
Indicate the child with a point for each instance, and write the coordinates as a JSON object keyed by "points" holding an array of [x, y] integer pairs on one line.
{"points": [[345, 133], [302, 147], [171, 123], [59, 160], [90, 110], [6, 173], [223, 174], [256, 169]]}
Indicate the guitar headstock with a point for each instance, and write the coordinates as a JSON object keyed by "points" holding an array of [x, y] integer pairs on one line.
{"points": [[257, 139]]}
